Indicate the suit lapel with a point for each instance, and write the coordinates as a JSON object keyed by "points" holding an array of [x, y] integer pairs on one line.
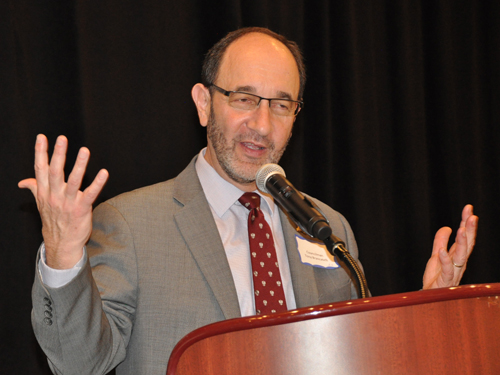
{"points": [[304, 282], [198, 228]]}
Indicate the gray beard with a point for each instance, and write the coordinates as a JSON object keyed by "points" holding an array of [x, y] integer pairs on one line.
{"points": [[226, 157]]}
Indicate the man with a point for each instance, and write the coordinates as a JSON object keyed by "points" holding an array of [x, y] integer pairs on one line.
{"points": [[166, 259]]}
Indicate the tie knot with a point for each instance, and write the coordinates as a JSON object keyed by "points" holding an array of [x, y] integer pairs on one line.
{"points": [[250, 200]]}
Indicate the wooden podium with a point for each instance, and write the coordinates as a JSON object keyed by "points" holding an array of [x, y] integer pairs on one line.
{"points": [[441, 331]]}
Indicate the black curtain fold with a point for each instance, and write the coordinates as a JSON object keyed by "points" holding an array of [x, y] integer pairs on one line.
{"points": [[398, 133]]}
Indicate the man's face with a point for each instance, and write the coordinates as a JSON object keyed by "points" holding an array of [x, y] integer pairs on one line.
{"points": [[240, 142], [241, 170]]}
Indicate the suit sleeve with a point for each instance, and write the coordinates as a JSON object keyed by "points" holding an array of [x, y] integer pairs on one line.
{"points": [[84, 327]]}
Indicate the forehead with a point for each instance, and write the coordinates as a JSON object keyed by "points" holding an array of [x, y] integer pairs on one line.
{"points": [[262, 62]]}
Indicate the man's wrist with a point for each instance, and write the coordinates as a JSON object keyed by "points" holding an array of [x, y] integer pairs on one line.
{"points": [[56, 278]]}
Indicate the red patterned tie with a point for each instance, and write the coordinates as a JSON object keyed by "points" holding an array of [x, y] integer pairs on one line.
{"points": [[267, 285]]}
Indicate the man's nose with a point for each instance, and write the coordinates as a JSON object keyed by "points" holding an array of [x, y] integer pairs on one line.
{"points": [[261, 119]]}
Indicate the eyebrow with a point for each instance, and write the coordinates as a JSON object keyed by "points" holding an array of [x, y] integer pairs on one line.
{"points": [[252, 90]]}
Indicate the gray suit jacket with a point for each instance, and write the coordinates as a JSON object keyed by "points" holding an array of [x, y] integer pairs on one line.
{"points": [[156, 271]]}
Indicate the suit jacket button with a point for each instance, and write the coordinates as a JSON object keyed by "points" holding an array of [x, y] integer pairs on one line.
{"points": [[47, 300], [48, 314], [48, 321], [48, 307]]}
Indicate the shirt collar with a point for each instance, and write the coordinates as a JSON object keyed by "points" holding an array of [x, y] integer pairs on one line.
{"points": [[221, 194]]}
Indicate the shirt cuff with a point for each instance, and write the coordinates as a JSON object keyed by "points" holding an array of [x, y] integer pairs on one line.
{"points": [[54, 278]]}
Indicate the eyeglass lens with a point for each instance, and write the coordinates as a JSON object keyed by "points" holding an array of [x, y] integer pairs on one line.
{"points": [[250, 102]]}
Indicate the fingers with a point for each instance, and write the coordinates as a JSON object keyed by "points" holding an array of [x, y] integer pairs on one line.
{"points": [[459, 253], [29, 183], [76, 176], [90, 194], [49, 178], [56, 167], [467, 211], [41, 163], [441, 240], [447, 268], [471, 232], [469, 224]]}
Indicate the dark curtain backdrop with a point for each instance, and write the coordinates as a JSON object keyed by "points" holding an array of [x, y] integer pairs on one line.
{"points": [[400, 128]]}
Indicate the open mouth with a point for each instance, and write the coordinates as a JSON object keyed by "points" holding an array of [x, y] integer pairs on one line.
{"points": [[252, 146]]}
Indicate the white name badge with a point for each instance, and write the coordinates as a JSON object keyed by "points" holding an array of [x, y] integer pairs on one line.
{"points": [[314, 253]]}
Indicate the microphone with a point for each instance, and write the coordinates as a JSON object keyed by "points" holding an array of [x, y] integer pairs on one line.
{"points": [[270, 179]]}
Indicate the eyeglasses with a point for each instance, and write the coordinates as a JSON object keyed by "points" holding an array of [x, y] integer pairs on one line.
{"points": [[249, 102]]}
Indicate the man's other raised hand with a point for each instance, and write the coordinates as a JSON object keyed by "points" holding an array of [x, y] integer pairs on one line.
{"points": [[66, 212], [446, 268]]}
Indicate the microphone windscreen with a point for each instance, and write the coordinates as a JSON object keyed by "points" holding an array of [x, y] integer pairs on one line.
{"points": [[266, 171]]}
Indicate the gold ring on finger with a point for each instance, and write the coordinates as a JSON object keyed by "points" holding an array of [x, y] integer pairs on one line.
{"points": [[456, 265]]}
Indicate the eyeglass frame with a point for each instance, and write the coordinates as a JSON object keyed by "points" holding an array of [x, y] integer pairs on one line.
{"points": [[300, 103]]}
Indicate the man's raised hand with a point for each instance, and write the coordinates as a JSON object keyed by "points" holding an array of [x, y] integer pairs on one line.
{"points": [[66, 212], [446, 268]]}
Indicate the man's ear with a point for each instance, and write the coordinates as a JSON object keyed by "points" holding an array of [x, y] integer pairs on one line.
{"points": [[201, 98]]}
